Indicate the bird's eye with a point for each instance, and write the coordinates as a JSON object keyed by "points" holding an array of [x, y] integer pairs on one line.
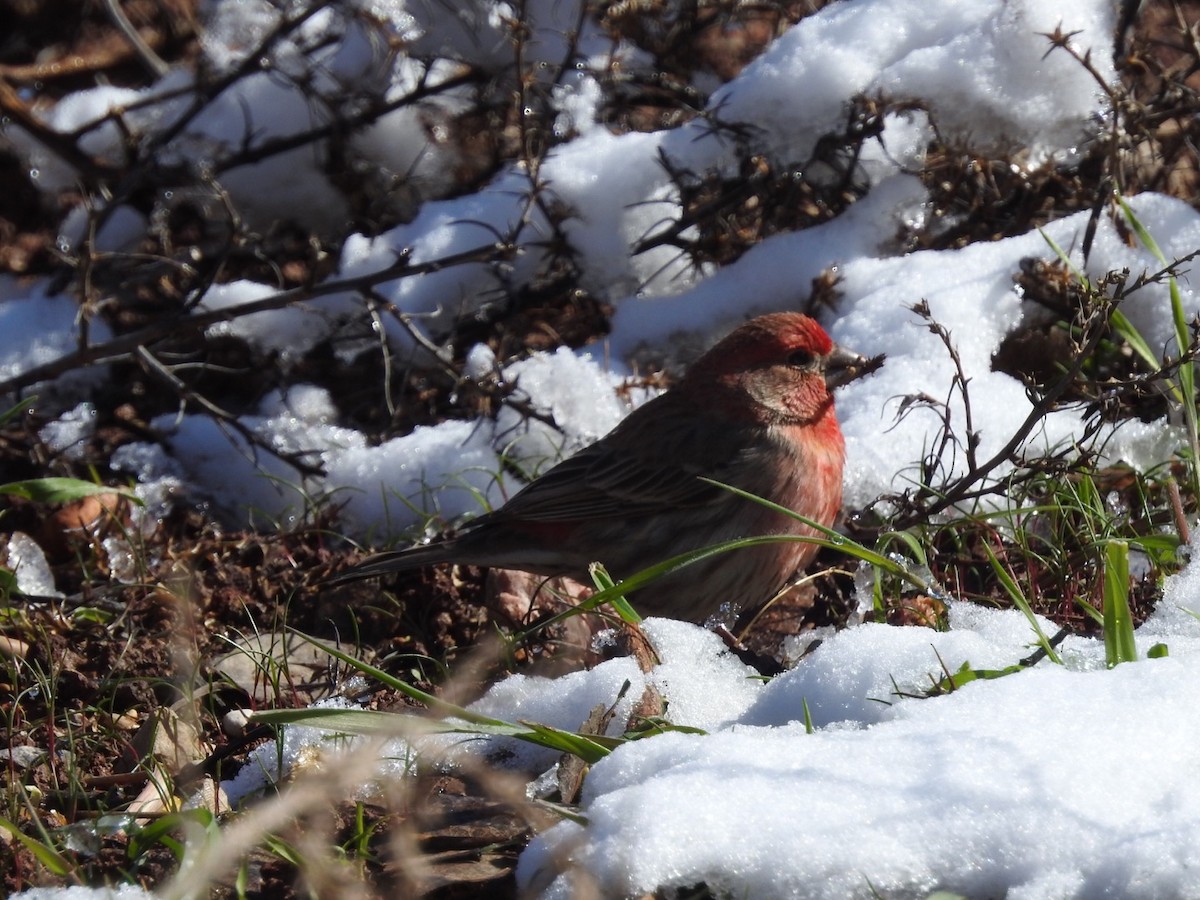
{"points": [[801, 359]]}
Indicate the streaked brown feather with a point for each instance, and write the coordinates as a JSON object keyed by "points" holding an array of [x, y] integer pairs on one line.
{"points": [[743, 415]]}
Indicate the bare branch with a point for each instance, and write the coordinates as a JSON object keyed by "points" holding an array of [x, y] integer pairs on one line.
{"points": [[125, 346]]}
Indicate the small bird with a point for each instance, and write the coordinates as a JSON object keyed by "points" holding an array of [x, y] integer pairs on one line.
{"points": [[754, 412]]}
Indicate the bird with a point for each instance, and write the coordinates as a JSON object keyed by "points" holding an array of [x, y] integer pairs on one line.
{"points": [[755, 412]]}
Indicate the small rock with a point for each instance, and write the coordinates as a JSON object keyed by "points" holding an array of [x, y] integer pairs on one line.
{"points": [[210, 796], [87, 513], [13, 648], [264, 663], [234, 722], [24, 757], [168, 741]]}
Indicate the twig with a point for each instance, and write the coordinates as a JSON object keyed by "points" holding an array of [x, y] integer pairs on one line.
{"points": [[1181, 522], [149, 58], [496, 391], [125, 346], [152, 366], [275, 146], [960, 489]]}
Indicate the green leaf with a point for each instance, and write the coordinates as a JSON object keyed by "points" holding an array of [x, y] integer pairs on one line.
{"points": [[829, 538], [1090, 611], [966, 675], [61, 490], [1065, 258], [361, 721], [652, 725], [46, 855], [604, 582], [284, 850], [1119, 645], [1140, 230], [591, 748], [826, 537], [435, 704], [158, 831], [92, 614], [915, 548], [1133, 337], [1185, 391]]}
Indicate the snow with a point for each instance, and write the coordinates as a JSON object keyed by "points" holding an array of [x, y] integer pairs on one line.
{"points": [[979, 67], [69, 432], [1068, 782], [288, 331], [37, 328], [1051, 783], [389, 482], [121, 892], [25, 558]]}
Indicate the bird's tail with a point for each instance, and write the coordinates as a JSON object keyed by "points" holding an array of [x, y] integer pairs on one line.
{"points": [[398, 560]]}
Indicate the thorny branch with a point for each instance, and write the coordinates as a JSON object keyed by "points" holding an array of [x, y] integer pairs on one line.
{"points": [[495, 390], [959, 489], [1094, 326], [157, 369], [367, 116], [116, 183]]}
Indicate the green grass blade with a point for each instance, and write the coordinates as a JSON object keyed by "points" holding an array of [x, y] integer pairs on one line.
{"points": [[825, 537], [1018, 599], [45, 854], [370, 722], [435, 704], [831, 539], [61, 490], [13, 411], [143, 837], [1119, 645], [915, 548], [1065, 258], [373, 722], [604, 582], [1122, 326], [1140, 230], [590, 748], [1185, 389], [1090, 611]]}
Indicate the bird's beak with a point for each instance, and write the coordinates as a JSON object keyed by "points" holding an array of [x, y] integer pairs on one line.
{"points": [[843, 366]]}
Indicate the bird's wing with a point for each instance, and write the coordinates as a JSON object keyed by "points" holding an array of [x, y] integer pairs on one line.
{"points": [[625, 473]]}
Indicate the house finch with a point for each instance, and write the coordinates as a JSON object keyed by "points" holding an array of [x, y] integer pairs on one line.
{"points": [[754, 412]]}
